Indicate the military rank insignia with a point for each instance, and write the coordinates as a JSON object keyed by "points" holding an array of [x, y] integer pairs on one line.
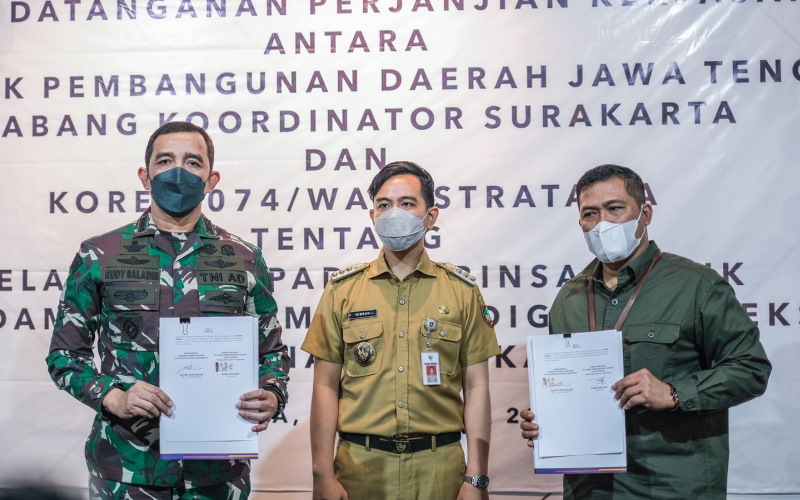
{"points": [[364, 353]]}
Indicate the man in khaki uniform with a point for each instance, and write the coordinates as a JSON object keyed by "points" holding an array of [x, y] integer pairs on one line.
{"points": [[395, 341]]}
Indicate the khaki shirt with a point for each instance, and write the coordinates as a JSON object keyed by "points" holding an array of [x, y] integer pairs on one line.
{"points": [[369, 304]]}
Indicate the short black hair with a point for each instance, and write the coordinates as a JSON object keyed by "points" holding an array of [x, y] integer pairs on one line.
{"points": [[403, 168], [174, 128], [633, 183]]}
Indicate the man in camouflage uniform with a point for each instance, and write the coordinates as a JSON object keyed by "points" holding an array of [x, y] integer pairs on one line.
{"points": [[396, 341], [171, 262]]}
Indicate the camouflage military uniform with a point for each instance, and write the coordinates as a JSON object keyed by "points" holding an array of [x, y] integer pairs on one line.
{"points": [[119, 285]]}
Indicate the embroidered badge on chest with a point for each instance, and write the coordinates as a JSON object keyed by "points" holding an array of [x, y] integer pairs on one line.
{"points": [[364, 353], [130, 329], [208, 249], [225, 298], [131, 295], [135, 247]]}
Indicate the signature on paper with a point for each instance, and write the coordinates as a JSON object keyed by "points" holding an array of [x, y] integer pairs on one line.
{"points": [[553, 382], [189, 368]]}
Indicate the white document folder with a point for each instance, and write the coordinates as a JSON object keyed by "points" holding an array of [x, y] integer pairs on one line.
{"points": [[582, 427], [205, 364]]}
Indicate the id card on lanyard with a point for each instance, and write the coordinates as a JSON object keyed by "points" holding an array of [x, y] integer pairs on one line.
{"points": [[429, 359]]}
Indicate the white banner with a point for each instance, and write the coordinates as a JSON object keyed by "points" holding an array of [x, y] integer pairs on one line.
{"points": [[505, 102]]}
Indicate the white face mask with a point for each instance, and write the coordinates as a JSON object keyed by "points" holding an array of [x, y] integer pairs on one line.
{"points": [[399, 229], [611, 242]]}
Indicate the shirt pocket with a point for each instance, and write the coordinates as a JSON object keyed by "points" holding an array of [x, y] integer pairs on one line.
{"points": [[131, 315], [364, 347], [445, 340], [650, 346]]}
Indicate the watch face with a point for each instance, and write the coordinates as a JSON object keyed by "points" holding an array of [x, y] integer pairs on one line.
{"points": [[481, 481]]}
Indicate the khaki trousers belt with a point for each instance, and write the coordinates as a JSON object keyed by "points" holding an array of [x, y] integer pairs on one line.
{"points": [[402, 444]]}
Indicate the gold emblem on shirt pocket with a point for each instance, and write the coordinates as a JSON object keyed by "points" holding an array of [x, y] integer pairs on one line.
{"points": [[650, 347], [363, 338], [446, 340]]}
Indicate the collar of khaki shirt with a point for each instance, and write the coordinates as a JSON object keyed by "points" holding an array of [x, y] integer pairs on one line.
{"points": [[380, 268]]}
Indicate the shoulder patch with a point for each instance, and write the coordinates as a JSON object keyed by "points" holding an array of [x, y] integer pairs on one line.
{"points": [[457, 271], [348, 271]]}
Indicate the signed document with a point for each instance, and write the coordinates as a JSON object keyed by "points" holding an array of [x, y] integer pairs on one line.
{"points": [[582, 428], [205, 365]]}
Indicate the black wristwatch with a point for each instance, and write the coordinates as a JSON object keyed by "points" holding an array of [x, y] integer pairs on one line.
{"points": [[481, 481]]}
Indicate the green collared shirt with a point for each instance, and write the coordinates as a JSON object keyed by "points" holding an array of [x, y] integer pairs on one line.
{"points": [[688, 329]]}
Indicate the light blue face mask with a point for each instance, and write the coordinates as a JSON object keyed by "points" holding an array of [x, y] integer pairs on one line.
{"points": [[177, 191], [399, 229]]}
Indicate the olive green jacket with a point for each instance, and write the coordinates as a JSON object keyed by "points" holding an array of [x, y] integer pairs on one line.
{"points": [[688, 329]]}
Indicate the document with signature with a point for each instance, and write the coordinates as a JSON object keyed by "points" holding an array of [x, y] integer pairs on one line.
{"points": [[582, 428], [205, 365]]}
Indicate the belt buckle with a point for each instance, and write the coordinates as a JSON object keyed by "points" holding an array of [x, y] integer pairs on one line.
{"points": [[400, 443]]}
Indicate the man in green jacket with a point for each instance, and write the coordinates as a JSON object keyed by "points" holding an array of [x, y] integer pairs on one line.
{"points": [[171, 262], [690, 351]]}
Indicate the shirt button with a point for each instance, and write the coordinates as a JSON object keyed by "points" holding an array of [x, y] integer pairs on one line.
{"points": [[402, 301], [401, 334], [650, 335], [614, 302], [363, 335], [400, 368], [442, 333], [401, 404]]}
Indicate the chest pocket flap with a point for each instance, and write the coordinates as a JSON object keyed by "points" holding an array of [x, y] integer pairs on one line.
{"points": [[446, 340], [650, 346], [659, 333], [131, 317], [364, 347], [131, 296]]}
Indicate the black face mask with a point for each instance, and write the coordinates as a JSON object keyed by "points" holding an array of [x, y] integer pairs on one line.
{"points": [[177, 191]]}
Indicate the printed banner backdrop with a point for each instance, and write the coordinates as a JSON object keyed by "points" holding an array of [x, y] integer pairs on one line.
{"points": [[506, 102]]}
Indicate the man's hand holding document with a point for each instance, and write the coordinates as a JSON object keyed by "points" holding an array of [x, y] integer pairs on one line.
{"points": [[582, 427]]}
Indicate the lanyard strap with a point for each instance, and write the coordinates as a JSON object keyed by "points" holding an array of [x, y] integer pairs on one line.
{"points": [[628, 306]]}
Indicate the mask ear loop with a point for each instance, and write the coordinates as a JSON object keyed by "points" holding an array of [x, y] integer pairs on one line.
{"points": [[641, 212]]}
